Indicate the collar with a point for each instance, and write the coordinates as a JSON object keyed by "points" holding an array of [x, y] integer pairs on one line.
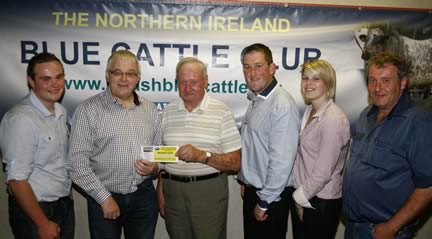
{"points": [[400, 108], [321, 110], [42, 108], [265, 93], [201, 107], [111, 99]]}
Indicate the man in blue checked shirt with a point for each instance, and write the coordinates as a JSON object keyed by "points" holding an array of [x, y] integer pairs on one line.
{"points": [[108, 131]]}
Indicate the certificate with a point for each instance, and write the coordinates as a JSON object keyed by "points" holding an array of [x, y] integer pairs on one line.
{"points": [[161, 154]]}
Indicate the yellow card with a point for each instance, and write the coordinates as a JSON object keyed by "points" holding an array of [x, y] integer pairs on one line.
{"points": [[161, 154]]}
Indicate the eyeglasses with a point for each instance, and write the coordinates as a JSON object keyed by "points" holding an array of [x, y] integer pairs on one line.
{"points": [[119, 74]]}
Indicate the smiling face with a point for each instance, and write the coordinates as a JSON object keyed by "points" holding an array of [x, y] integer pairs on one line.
{"points": [[48, 83], [313, 88], [192, 83], [385, 87], [257, 71], [123, 77]]}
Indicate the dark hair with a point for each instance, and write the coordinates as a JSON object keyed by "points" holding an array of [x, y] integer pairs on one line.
{"points": [[387, 57], [43, 57], [258, 47]]}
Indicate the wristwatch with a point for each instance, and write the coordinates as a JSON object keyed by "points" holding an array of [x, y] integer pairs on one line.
{"points": [[208, 156]]}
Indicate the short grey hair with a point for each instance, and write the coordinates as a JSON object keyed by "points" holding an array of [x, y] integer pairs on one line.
{"points": [[186, 60]]}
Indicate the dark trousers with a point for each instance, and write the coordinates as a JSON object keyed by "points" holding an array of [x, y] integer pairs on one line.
{"points": [[321, 222], [60, 212], [276, 225], [138, 215]]}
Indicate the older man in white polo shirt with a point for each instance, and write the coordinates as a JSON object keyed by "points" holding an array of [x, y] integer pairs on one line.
{"points": [[193, 195]]}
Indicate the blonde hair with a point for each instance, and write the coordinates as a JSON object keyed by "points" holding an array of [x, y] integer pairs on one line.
{"points": [[326, 73]]}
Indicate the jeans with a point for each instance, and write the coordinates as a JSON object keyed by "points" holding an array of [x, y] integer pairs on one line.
{"points": [[60, 211], [363, 230], [138, 215], [276, 225]]}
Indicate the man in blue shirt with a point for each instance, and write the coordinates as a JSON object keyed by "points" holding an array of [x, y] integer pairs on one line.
{"points": [[270, 132], [388, 178], [33, 142]]}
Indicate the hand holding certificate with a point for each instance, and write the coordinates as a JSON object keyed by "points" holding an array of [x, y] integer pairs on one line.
{"points": [[160, 154], [146, 168], [191, 154]]}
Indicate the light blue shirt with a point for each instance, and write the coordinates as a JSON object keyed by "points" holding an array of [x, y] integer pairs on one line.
{"points": [[33, 142], [270, 133]]}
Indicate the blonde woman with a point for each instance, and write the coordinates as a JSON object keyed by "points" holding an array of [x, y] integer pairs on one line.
{"points": [[321, 153]]}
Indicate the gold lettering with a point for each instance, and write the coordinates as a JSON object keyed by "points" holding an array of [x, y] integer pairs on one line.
{"points": [[257, 26], [168, 22], [101, 20], [130, 19]]}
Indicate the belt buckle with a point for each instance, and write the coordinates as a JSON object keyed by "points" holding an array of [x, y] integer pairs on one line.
{"points": [[190, 179]]}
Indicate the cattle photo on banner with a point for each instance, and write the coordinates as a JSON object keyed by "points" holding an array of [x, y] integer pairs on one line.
{"points": [[411, 44]]}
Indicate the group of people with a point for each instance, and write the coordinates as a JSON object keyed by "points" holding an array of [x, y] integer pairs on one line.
{"points": [[285, 163]]}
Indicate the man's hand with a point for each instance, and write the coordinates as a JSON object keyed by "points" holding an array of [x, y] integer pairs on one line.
{"points": [[26, 199], [160, 197], [110, 208], [300, 211], [383, 231], [189, 153], [145, 167], [48, 230], [242, 190], [260, 215]]}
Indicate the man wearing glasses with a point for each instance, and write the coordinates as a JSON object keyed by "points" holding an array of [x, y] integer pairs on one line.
{"points": [[108, 131]]}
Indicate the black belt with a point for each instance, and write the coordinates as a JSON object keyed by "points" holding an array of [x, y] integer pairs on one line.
{"points": [[189, 179], [12, 197]]}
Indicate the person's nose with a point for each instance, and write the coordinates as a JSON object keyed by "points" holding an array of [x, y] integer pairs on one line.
{"points": [[56, 83], [378, 86], [252, 72], [123, 76], [187, 87]]}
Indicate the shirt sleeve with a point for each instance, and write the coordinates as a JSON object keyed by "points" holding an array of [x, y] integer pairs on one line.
{"points": [[284, 132], [19, 140], [300, 198], [158, 128], [333, 138], [80, 150], [420, 151], [230, 135]]}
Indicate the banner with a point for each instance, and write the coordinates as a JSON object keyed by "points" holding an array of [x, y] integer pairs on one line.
{"points": [[84, 33]]}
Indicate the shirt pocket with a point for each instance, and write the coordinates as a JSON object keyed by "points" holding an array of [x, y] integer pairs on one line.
{"points": [[48, 147], [385, 156], [356, 145], [107, 132]]}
